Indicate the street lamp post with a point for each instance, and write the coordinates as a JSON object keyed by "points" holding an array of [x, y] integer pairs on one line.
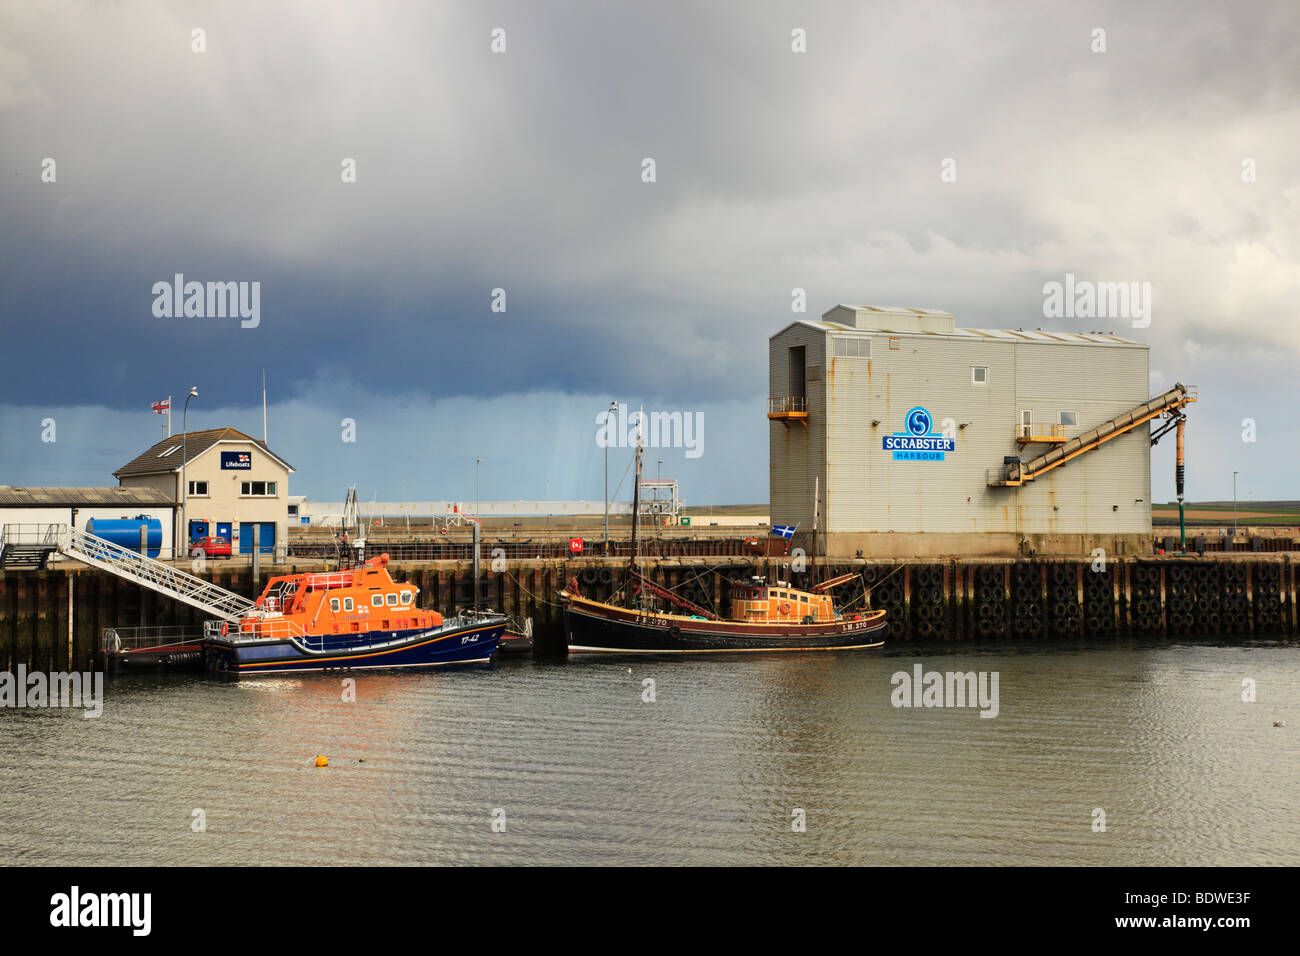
{"points": [[477, 502], [1234, 505], [613, 409], [185, 488]]}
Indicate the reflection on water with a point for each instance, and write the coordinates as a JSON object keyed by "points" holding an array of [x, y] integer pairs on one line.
{"points": [[1155, 735]]}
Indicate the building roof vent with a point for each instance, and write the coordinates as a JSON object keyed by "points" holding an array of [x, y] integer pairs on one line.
{"points": [[890, 318]]}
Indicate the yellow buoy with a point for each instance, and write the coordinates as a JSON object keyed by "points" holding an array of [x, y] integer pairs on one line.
{"points": [[322, 762]]}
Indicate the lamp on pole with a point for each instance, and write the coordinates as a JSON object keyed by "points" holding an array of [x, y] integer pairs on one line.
{"points": [[613, 409], [1234, 505], [185, 488]]}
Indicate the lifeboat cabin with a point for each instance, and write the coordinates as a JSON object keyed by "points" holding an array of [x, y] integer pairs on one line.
{"points": [[758, 602], [356, 601]]}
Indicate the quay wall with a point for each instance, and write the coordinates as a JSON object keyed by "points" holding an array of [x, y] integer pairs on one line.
{"points": [[53, 619]]}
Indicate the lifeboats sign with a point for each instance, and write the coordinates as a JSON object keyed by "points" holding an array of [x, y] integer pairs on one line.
{"points": [[236, 460], [919, 442]]}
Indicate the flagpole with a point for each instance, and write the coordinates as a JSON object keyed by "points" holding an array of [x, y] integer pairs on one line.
{"points": [[169, 416]]}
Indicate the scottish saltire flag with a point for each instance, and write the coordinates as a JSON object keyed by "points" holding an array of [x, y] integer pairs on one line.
{"points": [[784, 530]]}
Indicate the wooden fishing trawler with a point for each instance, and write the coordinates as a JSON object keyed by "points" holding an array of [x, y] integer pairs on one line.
{"points": [[346, 620], [764, 617]]}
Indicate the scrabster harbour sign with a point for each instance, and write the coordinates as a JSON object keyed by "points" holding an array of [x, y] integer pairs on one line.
{"points": [[918, 442]]}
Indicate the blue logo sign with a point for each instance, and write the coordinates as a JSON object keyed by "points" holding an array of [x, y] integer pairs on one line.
{"points": [[919, 442], [236, 460]]}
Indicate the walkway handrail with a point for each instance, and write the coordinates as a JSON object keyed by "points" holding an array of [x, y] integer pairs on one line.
{"points": [[125, 563]]}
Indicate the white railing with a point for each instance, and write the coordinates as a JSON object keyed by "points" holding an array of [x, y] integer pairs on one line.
{"points": [[135, 638], [275, 628], [39, 534], [125, 563]]}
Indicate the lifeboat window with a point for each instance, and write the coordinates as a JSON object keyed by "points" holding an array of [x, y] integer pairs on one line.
{"points": [[376, 600], [347, 604], [391, 598], [406, 597], [334, 605], [803, 598]]}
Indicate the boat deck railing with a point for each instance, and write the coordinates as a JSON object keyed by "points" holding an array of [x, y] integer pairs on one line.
{"points": [[148, 638], [275, 628]]}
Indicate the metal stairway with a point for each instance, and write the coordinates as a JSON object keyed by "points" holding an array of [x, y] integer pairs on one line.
{"points": [[1017, 473], [31, 553], [160, 577]]}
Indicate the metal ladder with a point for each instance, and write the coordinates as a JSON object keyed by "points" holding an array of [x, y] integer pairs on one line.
{"points": [[160, 577]]}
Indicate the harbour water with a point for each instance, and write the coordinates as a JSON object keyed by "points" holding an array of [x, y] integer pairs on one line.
{"points": [[576, 766]]}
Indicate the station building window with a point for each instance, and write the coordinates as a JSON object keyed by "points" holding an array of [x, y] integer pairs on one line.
{"points": [[1068, 419], [198, 489], [257, 489], [979, 374], [846, 347]]}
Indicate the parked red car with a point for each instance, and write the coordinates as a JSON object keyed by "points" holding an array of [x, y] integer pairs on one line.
{"points": [[212, 547]]}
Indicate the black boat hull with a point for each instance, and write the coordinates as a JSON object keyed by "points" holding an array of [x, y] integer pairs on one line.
{"points": [[589, 633]]}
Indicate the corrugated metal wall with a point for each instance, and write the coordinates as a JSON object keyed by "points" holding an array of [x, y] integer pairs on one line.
{"points": [[864, 489]]}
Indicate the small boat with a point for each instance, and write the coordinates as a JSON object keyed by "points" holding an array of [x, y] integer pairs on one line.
{"points": [[517, 641], [347, 620], [764, 617]]}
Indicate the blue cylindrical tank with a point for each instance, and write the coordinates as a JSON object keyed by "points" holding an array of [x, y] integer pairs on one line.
{"points": [[125, 532]]}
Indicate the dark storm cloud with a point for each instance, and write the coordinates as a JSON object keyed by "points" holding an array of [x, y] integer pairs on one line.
{"points": [[522, 171]]}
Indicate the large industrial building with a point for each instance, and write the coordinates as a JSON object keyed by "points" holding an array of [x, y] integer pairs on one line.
{"points": [[924, 439]]}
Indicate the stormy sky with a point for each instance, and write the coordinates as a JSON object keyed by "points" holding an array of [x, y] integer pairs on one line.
{"points": [[522, 170]]}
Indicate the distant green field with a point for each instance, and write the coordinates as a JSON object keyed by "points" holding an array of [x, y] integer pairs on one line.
{"points": [[1219, 513]]}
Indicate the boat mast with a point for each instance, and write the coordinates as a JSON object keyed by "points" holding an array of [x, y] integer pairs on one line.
{"points": [[636, 495], [816, 498]]}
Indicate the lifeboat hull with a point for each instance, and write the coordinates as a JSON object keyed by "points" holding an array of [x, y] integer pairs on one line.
{"points": [[465, 644]]}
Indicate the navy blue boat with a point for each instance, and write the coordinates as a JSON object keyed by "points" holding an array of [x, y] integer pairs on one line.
{"points": [[346, 620]]}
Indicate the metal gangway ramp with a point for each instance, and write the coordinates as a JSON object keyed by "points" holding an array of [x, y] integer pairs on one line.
{"points": [[1017, 473], [131, 565]]}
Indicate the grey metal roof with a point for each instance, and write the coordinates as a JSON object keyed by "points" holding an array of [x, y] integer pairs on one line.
{"points": [[165, 456], [11, 497], [996, 335]]}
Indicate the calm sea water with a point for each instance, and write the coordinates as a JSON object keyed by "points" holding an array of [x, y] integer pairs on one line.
{"points": [[710, 772]]}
